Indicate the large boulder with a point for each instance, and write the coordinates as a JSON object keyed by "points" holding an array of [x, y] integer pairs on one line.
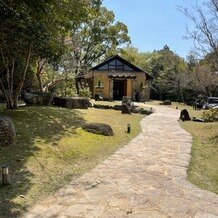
{"points": [[184, 115], [38, 98], [7, 131], [76, 103], [127, 105], [98, 128]]}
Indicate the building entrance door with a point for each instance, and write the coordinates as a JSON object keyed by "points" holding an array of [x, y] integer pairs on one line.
{"points": [[119, 89]]}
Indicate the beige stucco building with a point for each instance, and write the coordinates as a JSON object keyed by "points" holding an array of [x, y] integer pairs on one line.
{"points": [[115, 78]]}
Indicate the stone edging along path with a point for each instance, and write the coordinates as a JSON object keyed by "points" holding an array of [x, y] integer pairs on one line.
{"points": [[145, 178]]}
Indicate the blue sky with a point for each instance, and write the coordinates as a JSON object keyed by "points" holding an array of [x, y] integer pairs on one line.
{"points": [[154, 23]]}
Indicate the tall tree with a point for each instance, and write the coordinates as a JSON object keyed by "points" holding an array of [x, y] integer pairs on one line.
{"points": [[96, 36], [133, 55], [169, 72], [204, 80], [25, 31], [65, 16], [205, 34]]}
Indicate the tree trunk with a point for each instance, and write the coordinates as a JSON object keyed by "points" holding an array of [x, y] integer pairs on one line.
{"points": [[9, 101], [39, 78], [178, 89], [22, 79], [160, 94], [15, 105], [52, 83], [76, 80], [182, 96], [8, 93], [40, 68], [77, 86], [65, 88]]}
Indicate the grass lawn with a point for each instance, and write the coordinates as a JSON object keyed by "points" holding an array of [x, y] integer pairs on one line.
{"points": [[203, 168], [51, 148]]}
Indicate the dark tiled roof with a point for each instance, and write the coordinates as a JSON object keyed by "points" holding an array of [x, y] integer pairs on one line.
{"points": [[117, 57]]}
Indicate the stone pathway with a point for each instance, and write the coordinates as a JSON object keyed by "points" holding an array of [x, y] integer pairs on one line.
{"points": [[146, 178]]}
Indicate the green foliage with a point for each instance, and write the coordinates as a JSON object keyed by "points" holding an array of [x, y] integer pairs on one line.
{"points": [[31, 30], [211, 115], [140, 59], [167, 68], [95, 36], [84, 91], [175, 78], [204, 80], [65, 89]]}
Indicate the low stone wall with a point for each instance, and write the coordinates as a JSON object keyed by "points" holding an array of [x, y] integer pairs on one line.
{"points": [[135, 109]]}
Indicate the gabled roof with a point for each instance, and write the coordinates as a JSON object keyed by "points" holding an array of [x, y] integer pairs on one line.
{"points": [[117, 57], [82, 75]]}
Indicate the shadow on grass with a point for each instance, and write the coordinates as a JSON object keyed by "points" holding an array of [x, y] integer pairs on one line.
{"points": [[214, 139], [47, 124]]}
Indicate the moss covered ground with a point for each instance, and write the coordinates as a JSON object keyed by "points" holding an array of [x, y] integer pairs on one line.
{"points": [[52, 148]]}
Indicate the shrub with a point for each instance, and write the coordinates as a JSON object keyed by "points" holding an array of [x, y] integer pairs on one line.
{"points": [[84, 90], [210, 115]]}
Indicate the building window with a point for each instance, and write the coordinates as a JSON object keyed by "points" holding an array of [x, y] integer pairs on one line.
{"points": [[112, 67]]}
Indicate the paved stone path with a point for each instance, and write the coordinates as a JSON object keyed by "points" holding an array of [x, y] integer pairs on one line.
{"points": [[146, 178]]}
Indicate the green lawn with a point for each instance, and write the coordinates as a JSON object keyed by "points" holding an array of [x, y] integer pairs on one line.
{"points": [[203, 168], [52, 148]]}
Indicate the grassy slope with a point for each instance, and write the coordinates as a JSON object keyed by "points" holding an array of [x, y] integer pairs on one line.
{"points": [[203, 170], [52, 148]]}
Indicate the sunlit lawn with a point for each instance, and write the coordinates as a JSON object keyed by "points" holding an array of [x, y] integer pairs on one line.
{"points": [[52, 148]]}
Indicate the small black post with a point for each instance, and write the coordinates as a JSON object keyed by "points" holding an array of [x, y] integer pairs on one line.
{"points": [[5, 175], [128, 128]]}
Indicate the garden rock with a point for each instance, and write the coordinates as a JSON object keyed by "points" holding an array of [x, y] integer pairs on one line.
{"points": [[98, 128], [7, 132], [137, 110], [146, 112], [166, 102], [184, 115], [125, 109], [37, 98], [195, 119]]}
